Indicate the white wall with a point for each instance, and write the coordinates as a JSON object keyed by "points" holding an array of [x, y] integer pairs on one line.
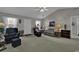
{"points": [[21, 25]]}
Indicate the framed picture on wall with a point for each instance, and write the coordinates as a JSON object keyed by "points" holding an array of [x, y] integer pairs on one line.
{"points": [[19, 21]]}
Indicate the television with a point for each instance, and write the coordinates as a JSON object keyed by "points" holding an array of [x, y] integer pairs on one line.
{"points": [[52, 24]]}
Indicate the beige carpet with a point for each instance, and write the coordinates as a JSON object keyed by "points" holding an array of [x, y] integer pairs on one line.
{"points": [[45, 44]]}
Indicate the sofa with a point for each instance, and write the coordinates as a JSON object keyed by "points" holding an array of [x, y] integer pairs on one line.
{"points": [[11, 33]]}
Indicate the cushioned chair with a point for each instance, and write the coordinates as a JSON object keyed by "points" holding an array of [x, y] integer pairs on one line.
{"points": [[37, 33], [11, 33]]}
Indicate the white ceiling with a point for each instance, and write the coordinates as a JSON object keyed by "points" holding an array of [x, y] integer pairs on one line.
{"points": [[29, 11]]}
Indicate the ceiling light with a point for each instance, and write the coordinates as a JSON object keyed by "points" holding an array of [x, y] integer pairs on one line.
{"points": [[41, 9]]}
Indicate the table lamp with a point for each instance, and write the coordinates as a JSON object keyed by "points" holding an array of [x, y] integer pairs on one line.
{"points": [[58, 28]]}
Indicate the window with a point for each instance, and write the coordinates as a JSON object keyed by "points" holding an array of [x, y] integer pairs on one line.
{"points": [[38, 24], [12, 22]]}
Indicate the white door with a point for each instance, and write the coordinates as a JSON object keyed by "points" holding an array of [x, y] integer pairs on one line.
{"points": [[27, 26]]}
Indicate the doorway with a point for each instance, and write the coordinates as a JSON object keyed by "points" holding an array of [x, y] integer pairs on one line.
{"points": [[75, 27]]}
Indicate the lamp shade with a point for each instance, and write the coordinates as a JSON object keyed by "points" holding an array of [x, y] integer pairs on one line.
{"points": [[2, 25], [58, 28]]}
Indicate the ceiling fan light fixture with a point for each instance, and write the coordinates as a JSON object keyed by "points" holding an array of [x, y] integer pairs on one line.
{"points": [[42, 10]]}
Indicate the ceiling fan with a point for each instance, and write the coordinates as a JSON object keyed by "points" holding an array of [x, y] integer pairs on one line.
{"points": [[41, 9]]}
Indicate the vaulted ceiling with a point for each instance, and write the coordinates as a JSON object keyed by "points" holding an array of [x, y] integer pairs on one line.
{"points": [[29, 11]]}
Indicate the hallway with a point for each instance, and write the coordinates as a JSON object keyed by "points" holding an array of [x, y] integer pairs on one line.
{"points": [[45, 44]]}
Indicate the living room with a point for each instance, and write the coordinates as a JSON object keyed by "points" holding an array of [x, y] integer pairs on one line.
{"points": [[66, 19], [56, 23]]}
